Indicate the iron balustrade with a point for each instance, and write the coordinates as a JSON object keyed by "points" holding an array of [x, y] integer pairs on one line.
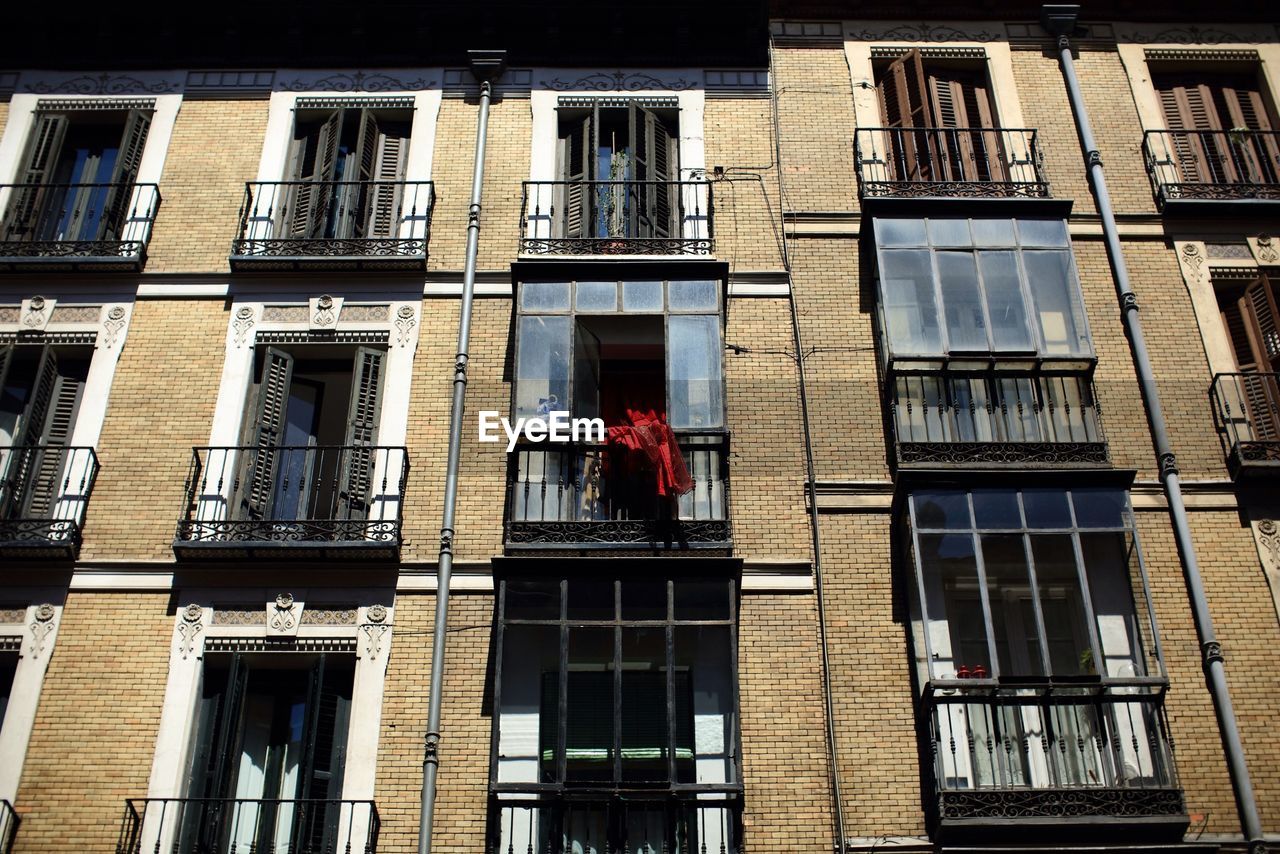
{"points": [[641, 823], [44, 490], [910, 162], [84, 226], [1246, 408], [617, 218], [996, 418], [565, 495], [1213, 165], [312, 225], [8, 826], [248, 826], [1002, 751], [317, 499]]}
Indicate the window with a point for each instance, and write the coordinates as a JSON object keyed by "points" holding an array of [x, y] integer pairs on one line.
{"points": [[8, 670], [311, 426], [1249, 402], [76, 183], [347, 167], [1220, 126], [618, 161], [270, 735], [954, 287], [40, 391], [608, 684]]}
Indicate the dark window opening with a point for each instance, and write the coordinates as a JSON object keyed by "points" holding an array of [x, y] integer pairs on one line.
{"points": [[8, 670]]}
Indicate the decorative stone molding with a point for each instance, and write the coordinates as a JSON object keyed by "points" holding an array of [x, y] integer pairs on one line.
{"points": [[10, 313], [1228, 251], [114, 321], [284, 314], [619, 81], [364, 313], [101, 83], [932, 52], [76, 314], [374, 630], [13, 616], [400, 80], [323, 314], [329, 616], [36, 313], [190, 624], [1194, 55], [242, 324], [238, 617], [406, 320], [368, 103], [1266, 535], [1192, 257], [228, 84], [41, 627], [283, 616], [924, 32], [1266, 249], [376, 613], [1193, 35]]}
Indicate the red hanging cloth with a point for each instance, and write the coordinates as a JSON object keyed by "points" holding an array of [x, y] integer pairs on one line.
{"points": [[647, 447]]}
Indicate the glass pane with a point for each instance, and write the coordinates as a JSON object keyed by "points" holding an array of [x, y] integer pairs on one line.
{"points": [[953, 610], [996, 508], [910, 311], [1042, 232], [1099, 508], [693, 296], [1004, 559], [544, 296], [644, 600], [694, 384], [531, 600], [1046, 508], [529, 713], [1112, 592], [1061, 603], [590, 599], [1057, 299], [702, 600], [642, 296], [589, 706], [993, 232], [941, 509], [900, 232], [542, 373], [597, 296], [645, 737], [1009, 330], [962, 301], [949, 232], [704, 713]]}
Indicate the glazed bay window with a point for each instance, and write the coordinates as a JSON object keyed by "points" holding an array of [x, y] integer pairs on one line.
{"points": [[984, 336], [1037, 658], [616, 722], [645, 357]]}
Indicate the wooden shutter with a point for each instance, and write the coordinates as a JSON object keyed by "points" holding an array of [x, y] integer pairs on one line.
{"points": [[41, 160], [226, 732], [51, 460], [577, 167], [1190, 106], [904, 99], [327, 718], [362, 433], [268, 431], [382, 160], [308, 209], [19, 471], [1260, 311], [652, 198], [128, 162], [960, 99]]}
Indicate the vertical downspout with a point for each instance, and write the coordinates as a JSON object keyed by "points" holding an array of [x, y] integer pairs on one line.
{"points": [[1060, 21], [486, 65]]}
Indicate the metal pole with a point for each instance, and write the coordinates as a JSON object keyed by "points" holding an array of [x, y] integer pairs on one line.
{"points": [[486, 66], [1061, 22]]}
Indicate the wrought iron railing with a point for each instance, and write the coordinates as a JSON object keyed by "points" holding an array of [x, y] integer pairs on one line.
{"points": [[708, 823], [1213, 165], [1246, 408], [81, 225], [578, 496], [617, 218], [1004, 752], [334, 224], [961, 162], [8, 826], [44, 490], [317, 499], [996, 419], [248, 826]]}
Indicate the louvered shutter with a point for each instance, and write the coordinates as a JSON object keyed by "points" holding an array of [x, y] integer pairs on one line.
{"points": [[128, 161], [226, 732], [578, 148], [268, 431], [51, 460], [20, 468], [1257, 155], [308, 212], [904, 98], [327, 717], [381, 215], [1261, 314], [356, 487], [42, 157], [654, 152], [961, 105], [1189, 107], [6, 359]]}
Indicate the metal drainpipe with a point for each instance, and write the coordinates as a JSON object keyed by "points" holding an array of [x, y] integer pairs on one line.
{"points": [[486, 65], [1060, 21]]}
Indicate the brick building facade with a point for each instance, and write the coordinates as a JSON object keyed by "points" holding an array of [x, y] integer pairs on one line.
{"points": [[918, 589]]}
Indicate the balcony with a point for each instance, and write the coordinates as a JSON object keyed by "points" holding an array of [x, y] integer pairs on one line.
{"points": [[995, 420], [44, 490], [1083, 761], [611, 218], [707, 822], [966, 163], [1246, 409], [8, 826], [1197, 170], [575, 498], [200, 825], [334, 225], [311, 502], [76, 227]]}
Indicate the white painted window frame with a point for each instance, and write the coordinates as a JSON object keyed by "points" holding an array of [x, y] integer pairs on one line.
{"points": [[37, 635]]}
